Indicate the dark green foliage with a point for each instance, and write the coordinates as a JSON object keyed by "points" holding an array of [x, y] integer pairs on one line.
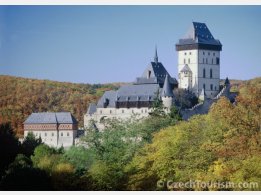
{"points": [[157, 106], [9, 146], [29, 144], [184, 98], [22, 176]]}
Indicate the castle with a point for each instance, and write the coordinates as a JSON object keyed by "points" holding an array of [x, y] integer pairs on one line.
{"points": [[198, 72]]}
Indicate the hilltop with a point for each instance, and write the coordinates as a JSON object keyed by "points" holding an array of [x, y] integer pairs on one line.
{"points": [[19, 97]]}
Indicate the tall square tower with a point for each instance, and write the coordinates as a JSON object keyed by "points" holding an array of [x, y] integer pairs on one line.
{"points": [[199, 61]]}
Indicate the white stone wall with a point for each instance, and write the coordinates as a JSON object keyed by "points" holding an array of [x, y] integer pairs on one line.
{"points": [[118, 113], [55, 138], [189, 57], [197, 60]]}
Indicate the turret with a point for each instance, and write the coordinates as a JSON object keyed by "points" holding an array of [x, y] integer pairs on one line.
{"points": [[167, 95]]}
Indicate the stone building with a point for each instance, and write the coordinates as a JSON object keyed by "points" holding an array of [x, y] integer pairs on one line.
{"points": [[199, 61], [135, 99], [55, 128]]}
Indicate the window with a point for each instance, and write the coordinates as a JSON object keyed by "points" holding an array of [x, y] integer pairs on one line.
{"points": [[204, 86], [206, 61], [149, 73], [189, 60], [68, 134], [189, 53], [214, 54], [110, 111], [203, 53], [52, 134], [122, 111], [203, 60], [100, 111], [185, 53], [211, 73], [215, 88], [212, 61], [45, 134], [132, 111], [61, 134], [217, 60], [184, 61], [209, 53], [211, 87], [204, 73]]}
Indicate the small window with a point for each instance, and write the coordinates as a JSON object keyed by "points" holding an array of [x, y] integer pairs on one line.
{"points": [[217, 60], [215, 88], [189, 53], [211, 87], [203, 53], [204, 86], [61, 134], [211, 73], [100, 111], [206, 61], [52, 134], [203, 60], [110, 111], [132, 111], [45, 134], [184, 61], [122, 111], [185, 53], [141, 111], [189, 60], [209, 53], [212, 61], [204, 73], [214, 54], [68, 134]]}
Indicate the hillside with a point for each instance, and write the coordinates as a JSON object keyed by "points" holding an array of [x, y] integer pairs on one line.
{"points": [[19, 97]]}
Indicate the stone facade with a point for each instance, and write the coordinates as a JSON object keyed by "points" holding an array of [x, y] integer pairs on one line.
{"points": [[55, 129], [201, 53]]}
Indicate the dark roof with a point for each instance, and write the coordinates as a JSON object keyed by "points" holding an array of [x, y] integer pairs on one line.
{"points": [[131, 93], [157, 75], [51, 118], [227, 82], [91, 109], [199, 34], [185, 69], [166, 90]]}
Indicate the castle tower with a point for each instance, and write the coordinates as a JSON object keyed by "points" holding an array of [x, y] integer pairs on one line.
{"points": [[167, 94], [200, 52]]}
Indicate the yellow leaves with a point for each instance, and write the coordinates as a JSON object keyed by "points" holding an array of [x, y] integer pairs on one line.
{"points": [[64, 168]]}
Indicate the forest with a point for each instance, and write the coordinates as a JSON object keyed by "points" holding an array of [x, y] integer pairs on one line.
{"points": [[221, 146], [19, 97]]}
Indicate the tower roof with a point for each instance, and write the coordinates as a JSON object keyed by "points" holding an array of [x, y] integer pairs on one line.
{"points": [[186, 69], [156, 59], [166, 90], [199, 35], [227, 82]]}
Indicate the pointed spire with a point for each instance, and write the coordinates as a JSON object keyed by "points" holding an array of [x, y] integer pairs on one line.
{"points": [[166, 90], [156, 55], [227, 82]]}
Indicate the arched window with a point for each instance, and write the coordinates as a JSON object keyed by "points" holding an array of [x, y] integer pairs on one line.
{"points": [[204, 73], [203, 60], [211, 73], [211, 87], [204, 86]]}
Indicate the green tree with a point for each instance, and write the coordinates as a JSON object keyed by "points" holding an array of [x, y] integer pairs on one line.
{"points": [[29, 144], [9, 146]]}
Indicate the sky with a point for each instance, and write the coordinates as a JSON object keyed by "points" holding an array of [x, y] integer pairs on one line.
{"points": [[104, 44]]}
